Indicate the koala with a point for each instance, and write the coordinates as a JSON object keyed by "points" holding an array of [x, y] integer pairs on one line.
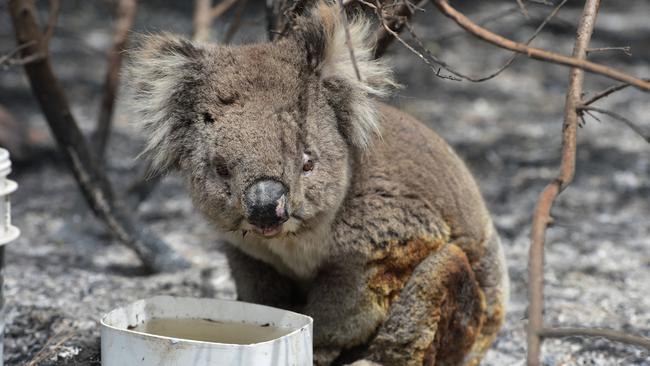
{"points": [[332, 204]]}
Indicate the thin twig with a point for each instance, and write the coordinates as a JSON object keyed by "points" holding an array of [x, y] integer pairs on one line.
{"points": [[142, 187], [236, 22], [221, 8], [457, 73], [125, 16], [281, 16], [609, 334], [270, 12], [591, 115], [482, 22], [536, 53], [395, 21], [542, 213], [605, 93], [408, 46], [55, 5], [348, 39], [626, 49], [14, 52], [618, 117], [500, 69], [10, 59], [50, 349], [523, 9], [205, 14]]}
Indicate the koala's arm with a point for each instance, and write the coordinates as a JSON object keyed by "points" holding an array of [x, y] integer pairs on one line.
{"points": [[344, 311], [257, 282]]}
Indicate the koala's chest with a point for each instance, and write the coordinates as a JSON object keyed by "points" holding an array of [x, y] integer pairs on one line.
{"points": [[299, 256]]}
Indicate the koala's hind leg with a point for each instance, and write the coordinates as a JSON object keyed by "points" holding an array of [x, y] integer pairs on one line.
{"points": [[437, 317], [492, 274]]}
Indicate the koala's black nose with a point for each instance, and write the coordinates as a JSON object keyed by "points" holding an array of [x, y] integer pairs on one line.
{"points": [[266, 203]]}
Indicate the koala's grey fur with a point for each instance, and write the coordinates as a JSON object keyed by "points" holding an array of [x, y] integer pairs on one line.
{"points": [[389, 246]]}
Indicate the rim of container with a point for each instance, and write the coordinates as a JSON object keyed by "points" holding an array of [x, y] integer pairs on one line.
{"points": [[174, 340], [9, 187], [5, 166], [11, 234]]}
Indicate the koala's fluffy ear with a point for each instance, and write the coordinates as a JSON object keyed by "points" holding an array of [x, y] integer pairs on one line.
{"points": [[161, 74], [322, 34]]}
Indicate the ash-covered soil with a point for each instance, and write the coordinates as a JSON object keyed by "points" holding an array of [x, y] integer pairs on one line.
{"points": [[65, 272]]}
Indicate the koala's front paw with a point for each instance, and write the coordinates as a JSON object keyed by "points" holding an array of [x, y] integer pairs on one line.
{"points": [[364, 363], [325, 356]]}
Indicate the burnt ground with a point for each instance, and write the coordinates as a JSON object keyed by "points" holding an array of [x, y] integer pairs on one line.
{"points": [[64, 271]]}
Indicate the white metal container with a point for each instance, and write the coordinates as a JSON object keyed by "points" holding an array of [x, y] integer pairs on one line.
{"points": [[122, 345], [8, 232]]}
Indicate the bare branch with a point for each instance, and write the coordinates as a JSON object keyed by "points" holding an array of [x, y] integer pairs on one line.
{"points": [[280, 16], [202, 20], [500, 69], [50, 348], [612, 335], [205, 14], [408, 46], [537, 53], [55, 5], [395, 21], [154, 253], [618, 117], [482, 22], [235, 24], [608, 91], [542, 214], [125, 16], [10, 59], [221, 8], [271, 9], [626, 49], [348, 40], [142, 187], [523, 9]]}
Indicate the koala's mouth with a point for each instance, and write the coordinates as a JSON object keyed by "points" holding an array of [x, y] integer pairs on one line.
{"points": [[268, 232], [291, 227]]}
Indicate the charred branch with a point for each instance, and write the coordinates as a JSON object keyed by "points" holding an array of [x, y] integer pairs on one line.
{"points": [[94, 185], [542, 213], [536, 53], [393, 22], [205, 14], [125, 15], [609, 334]]}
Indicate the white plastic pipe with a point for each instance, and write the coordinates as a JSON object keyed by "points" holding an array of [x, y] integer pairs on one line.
{"points": [[123, 345]]}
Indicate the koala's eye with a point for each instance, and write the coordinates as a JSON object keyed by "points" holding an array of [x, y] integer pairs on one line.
{"points": [[207, 118], [307, 163], [223, 171]]}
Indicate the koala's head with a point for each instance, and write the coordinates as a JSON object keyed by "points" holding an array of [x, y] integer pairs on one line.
{"points": [[263, 133]]}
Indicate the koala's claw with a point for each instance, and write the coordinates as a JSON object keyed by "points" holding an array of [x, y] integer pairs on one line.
{"points": [[364, 363]]}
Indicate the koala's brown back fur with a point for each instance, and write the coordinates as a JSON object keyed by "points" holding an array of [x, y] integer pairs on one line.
{"points": [[335, 205]]}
